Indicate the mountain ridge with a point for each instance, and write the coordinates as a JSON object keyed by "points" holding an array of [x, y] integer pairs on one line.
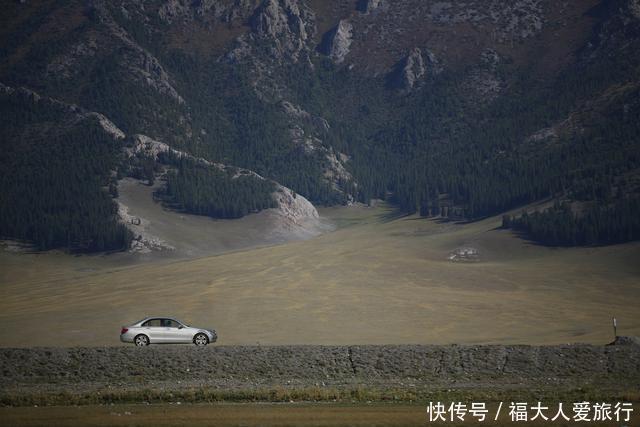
{"points": [[443, 109]]}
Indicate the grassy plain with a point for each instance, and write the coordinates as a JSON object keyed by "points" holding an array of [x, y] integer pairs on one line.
{"points": [[377, 279]]}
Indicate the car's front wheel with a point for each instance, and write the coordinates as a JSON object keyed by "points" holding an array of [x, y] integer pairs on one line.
{"points": [[141, 340], [200, 340]]}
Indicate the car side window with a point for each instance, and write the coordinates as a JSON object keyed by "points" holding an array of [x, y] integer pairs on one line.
{"points": [[168, 323], [151, 323]]}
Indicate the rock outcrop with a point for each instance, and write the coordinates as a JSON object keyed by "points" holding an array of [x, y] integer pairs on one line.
{"points": [[275, 18], [143, 241], [284, 28], [294, 208], [413, 69], [543, 135], [296, 112], [338, 41], [368, 6], [634, 8], [286, 24], [336, 173]]}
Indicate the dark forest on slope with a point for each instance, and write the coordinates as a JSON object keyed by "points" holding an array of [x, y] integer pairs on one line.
{"points": [[204, 190], [54, 184]]}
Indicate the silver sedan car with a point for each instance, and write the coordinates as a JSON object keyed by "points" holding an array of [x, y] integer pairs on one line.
{"points": [[165, 330]]}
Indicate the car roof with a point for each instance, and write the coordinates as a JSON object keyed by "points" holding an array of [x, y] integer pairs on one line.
{"points": [[157, 317]]}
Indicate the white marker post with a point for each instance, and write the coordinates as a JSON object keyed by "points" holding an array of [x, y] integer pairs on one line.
{"points": [[615, 328]]}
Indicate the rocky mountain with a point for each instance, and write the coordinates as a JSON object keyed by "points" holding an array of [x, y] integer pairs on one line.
{"points": [[444, 108]]}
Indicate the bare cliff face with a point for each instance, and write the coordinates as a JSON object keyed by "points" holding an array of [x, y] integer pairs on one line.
{"points": [[339, 41]]}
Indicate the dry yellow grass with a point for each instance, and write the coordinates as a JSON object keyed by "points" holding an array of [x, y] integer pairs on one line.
{"points": [[375, 280]]}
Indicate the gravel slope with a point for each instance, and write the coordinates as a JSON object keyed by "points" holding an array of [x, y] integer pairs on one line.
{"points": [[42, 371]]}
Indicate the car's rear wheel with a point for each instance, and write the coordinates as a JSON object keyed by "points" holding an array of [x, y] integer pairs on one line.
{"points": [[200, 340], [141, 340]]}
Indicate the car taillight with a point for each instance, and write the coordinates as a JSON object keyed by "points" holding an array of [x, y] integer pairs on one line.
{"points": [[123, 331]]}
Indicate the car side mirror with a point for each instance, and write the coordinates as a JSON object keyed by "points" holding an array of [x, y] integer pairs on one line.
{"points": [[181, 327]]}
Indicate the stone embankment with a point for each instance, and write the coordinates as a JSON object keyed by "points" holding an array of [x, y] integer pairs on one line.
{"points": [[246, 369]]}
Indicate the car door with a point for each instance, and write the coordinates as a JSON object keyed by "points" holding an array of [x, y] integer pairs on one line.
{"points": [[175, 332], [154, 330]]}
